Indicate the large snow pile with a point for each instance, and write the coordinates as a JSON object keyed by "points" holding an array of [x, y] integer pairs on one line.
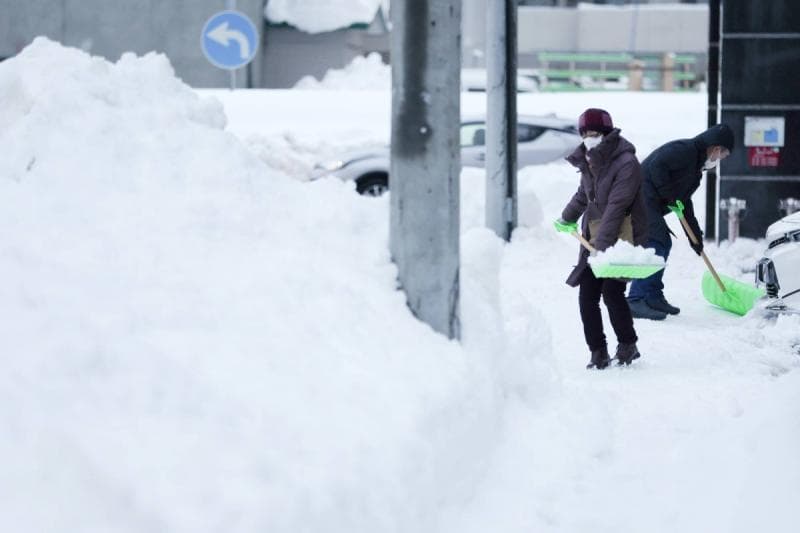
{"points": [[317, 16], [194, 342], [368, 73]]}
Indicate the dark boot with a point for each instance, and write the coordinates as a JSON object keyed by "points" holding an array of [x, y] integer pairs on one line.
{"points": [[600, 359], [659, 303], [640, 309], [626, 353]]}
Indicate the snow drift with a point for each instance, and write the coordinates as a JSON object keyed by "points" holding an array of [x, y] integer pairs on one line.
{"points": [[194, 342], [368, 73]]}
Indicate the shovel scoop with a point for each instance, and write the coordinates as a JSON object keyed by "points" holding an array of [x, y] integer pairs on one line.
{"points": [[722, 291], [609, 268]]}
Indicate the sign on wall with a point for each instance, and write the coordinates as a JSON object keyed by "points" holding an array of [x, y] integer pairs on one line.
{"points": [[764, 156], [764, 131]]}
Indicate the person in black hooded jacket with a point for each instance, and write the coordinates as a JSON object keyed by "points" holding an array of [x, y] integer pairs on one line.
{"points": [[673, 172]]}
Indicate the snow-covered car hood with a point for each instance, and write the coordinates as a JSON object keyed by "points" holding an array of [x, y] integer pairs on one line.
{"points": [[783, 226]]}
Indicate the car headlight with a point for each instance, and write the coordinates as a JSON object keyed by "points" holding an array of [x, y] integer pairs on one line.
{"points": [[330, 166]]}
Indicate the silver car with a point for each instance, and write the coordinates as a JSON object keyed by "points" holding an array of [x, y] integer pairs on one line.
{"points": [[541, 139]]}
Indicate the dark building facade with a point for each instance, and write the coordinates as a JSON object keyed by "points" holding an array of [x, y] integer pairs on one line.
{"points": [[759, 95]]}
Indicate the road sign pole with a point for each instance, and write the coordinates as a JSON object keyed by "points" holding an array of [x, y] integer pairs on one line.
{"points": [[230, 41]]}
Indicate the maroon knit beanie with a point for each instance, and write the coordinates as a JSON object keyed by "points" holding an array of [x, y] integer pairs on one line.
{"points": [[595, 120]]}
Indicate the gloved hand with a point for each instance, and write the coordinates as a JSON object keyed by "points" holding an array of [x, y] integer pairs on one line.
{"points": [[698, 248], [564, 226], [676, 207]]}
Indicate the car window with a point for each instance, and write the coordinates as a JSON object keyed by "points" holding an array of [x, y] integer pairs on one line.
{"points": [[528, 133], [473, 134]]}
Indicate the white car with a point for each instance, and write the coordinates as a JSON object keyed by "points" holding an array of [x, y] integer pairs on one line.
{"points": [[778, 272], [474, 80], [541, 139]]}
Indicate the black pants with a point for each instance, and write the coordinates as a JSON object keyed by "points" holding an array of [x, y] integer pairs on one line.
{"points": [[613, 293]]}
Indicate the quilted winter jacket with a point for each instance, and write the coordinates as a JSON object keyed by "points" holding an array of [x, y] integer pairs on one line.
{"points": [[610, 190]]}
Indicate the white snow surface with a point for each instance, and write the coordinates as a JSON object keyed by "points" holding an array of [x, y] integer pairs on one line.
{"points": [[624, 253], [368, 73], [318, 16], [196, 340]]}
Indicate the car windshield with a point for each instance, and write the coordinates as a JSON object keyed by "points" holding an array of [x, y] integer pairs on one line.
{"points": [[473, 134]]}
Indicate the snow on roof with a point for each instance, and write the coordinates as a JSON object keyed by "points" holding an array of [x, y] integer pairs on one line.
{"points": [[317, 16]]}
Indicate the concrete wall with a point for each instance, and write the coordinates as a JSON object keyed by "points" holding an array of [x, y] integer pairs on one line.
{"points": [[547, 29], [172, 27], [653, 28], [290, 54], [594, 28]]}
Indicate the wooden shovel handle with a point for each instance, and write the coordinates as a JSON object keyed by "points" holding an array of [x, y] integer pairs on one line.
{"points": [[695, 240], [584, 242]]}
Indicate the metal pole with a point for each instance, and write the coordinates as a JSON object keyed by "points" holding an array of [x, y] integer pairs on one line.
{"points": [[230, 5], [501, 120], [713, 98], [426, 157]]}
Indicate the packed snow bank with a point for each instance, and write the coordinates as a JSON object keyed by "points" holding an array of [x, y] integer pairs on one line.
{"points": [[624, 253], [317, 16], [368, 73], [195, 342]]}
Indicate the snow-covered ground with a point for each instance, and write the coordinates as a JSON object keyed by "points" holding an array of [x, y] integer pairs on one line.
{"points": [[195, 339]]}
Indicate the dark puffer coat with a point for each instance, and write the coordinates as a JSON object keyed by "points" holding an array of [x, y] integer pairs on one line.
{"points": [[673, 172], [610, 190]]}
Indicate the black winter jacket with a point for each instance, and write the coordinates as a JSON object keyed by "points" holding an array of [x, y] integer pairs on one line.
{"points": [[673, 172]]}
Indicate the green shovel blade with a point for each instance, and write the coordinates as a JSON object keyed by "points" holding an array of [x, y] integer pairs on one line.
{"points": [[615, 270], [737, 297]]}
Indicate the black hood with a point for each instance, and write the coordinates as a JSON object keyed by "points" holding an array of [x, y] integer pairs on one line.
{"points": [[719, 135]]}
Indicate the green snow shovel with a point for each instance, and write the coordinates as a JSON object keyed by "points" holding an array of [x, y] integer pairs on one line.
{"points": [[722, 291], [608, 270]]}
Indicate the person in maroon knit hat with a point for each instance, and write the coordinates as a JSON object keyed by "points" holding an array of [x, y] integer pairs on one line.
{"points": [[609, 199]]}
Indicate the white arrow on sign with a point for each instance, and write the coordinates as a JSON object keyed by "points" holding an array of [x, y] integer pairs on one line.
{"points": [[224, 35]]}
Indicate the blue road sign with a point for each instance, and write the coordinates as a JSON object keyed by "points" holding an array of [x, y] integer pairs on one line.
{"points": [[230, 40]]}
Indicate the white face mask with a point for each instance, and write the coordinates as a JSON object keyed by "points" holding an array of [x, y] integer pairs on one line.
{"points": [[592, 142], [713, 159]]}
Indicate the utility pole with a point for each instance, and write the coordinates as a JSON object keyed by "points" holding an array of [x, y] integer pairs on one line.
{"points": [[501, 120], [426, 157]]}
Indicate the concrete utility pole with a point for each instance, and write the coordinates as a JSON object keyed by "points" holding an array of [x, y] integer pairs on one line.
{"points": [[426, 157], [501, 120]]}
